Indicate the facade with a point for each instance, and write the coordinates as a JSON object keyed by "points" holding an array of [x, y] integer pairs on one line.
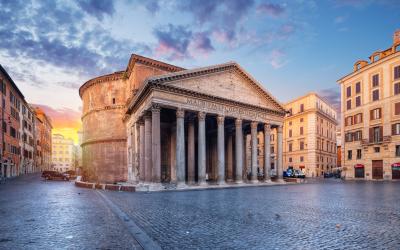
{"points": [[43, 140], [339, 150], [370, 97], [63, 153], [309, 135], [166, 124], [12, 98], [79, 163], [27, 142]]}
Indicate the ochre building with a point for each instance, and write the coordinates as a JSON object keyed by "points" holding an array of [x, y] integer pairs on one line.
{"points": [[370, 97], [310, 135], [157, 123]]}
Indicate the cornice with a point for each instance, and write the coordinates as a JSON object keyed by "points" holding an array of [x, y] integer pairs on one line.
{"points": [[96, 141], [106, 108], [150, 62], [104, 78], [172, 89]]}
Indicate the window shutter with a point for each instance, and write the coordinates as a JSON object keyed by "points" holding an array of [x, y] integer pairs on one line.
{"points": [[361, 116], [371, 133], [380, 133], [380, 113], [371, 114], [345, 122], [393, 129], [397, 108]]}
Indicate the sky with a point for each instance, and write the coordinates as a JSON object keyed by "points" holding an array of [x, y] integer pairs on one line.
{"points": [[51, 47]]}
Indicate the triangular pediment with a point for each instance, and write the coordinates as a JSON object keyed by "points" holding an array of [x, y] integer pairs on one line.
{"points": [[228, 81]]}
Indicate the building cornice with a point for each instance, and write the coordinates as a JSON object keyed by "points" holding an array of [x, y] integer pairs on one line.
{"points": [[105, 78], [95, 141], [161, 80], [369, 66], [149, 62]]}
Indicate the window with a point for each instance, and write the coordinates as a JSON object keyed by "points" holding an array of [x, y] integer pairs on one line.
{"points": [[358, 118], [290, 112], [375, 80], [113, 101], [348, 121], [375, 95], [301, 145], [348, 91], [397, 108], [377, 149], [13, 132], [349, 154], [396, 129], [290, 133], [301, 119], [375, 114], [358, 153], [398, 150], [348, 104], [348, 137], [301, 158], [272, 149], [301, 131], [358, 101], [301, 108], [396, 90], [290, 159], [397, 72], [357, 135], [290, 147], [358, 88], [375, 134]]}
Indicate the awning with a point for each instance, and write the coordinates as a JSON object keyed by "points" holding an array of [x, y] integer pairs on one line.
{"points": [[396, 166], [301, 167], [358, 166]]}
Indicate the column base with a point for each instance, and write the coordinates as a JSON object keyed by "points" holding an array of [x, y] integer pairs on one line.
{"points": [[239, 182], [221, 183], [203, 183], [268, 180], [181, 185], [280, 180], [254, 181]]}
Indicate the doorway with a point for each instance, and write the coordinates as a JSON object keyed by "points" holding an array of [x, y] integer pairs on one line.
{"points": [[377, 170]]}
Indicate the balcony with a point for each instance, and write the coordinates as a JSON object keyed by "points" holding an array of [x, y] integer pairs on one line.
{"points": [[382, 140]]}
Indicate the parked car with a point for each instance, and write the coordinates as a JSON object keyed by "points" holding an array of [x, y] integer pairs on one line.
{"points": [[71, 174], [289, 173], [299, 174], [54, 175], [328, 175]]}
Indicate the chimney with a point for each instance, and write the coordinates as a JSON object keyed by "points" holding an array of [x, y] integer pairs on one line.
{"points": [[396, 37]]}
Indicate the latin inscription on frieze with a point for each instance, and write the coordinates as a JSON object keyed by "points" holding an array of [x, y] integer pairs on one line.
{"points": [[226, 110]]}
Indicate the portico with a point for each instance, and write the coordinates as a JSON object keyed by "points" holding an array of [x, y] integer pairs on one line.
{"points": [[191, 127]]}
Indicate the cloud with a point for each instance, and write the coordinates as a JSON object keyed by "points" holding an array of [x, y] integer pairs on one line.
{"points": [[340, 19], [152, 6], [277, 58], [270, 9], [173, 41], [63, 117], [332, 95], [223, 15], [61, 34], [202, 43], [97, 8]]}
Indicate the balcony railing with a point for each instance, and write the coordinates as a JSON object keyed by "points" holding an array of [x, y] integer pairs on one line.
{"points": [[381, 140]]}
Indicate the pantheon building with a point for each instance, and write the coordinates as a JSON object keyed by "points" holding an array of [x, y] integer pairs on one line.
{"points": [[156, 123]]}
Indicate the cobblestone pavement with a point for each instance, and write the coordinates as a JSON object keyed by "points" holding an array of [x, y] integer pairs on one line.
{"points": [[36, 214], [321, 215]]}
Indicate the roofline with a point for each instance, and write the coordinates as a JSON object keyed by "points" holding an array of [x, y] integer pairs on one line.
{"points": [[11, 81], [151, 62], [370, 65], [317, 95], [109, 77], [175, 75]]}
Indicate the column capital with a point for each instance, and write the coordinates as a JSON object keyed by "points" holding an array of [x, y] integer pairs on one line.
{"points": [[147, 115], [267, 127], [201, 116], [220, 120], [238, 122], [280, 129], [155, 108], [254, 124], [180, 113], [140, 122]]}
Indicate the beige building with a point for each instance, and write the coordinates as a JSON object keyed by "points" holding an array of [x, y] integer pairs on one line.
{"points": [[309, 136], [370, 97], [63, 153], [162, 124], [43, 140]]}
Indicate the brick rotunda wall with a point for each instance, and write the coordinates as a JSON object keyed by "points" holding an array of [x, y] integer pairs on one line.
{"points": [[104, 136]]}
